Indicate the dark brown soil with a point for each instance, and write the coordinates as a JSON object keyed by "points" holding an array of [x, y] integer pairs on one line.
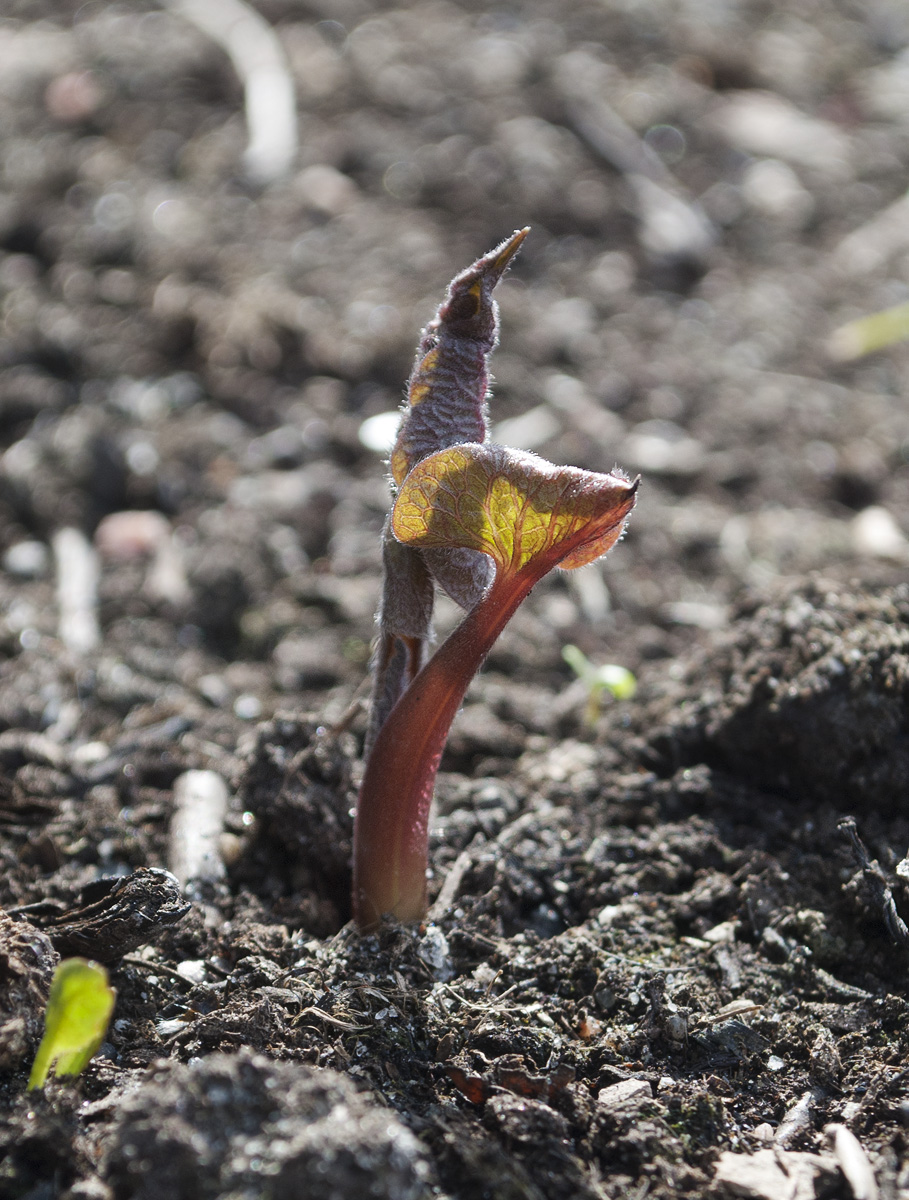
{"points": [[669, 956]]}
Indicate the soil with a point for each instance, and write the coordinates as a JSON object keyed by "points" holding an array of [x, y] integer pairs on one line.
{"points": [[669, 957]]}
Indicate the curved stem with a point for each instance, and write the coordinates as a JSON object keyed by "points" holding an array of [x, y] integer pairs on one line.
{"points": [[391, 827]]}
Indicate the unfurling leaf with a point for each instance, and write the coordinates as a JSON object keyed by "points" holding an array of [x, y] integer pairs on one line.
{"points": [[513, 506], [78, 1011]]}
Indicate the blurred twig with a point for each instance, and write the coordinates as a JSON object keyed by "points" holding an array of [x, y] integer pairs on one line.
{"points": [[200, 805], [260, 62], [77, 590], [672, 226]]}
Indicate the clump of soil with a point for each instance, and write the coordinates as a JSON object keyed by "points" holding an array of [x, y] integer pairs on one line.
{"points": [[808, 696]]}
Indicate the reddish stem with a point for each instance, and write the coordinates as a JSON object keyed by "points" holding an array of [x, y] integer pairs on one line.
{"points": [[391, 827]]}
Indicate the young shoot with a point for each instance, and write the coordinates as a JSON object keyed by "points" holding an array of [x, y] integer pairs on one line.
{"points": [[609, 677], [528, 516], [78, 1012], [446, 405], [866, 335]]}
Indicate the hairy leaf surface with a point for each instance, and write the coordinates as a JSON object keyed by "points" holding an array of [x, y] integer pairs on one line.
{"points": [[513, 506]]}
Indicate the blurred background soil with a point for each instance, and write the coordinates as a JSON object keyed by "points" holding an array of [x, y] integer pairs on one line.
{"points": [[660, 962]]}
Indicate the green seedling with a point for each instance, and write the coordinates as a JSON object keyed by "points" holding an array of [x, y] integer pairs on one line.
{"points": [[607, 678], [484, 522], [78, 1012], [868, 334]]}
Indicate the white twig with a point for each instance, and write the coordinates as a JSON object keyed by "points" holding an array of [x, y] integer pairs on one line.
{"points": [[672, 224], [796, 1120], [77, 591], [877, 242], [449, 891], [853, 1160], [200, 803], [260, 62]]}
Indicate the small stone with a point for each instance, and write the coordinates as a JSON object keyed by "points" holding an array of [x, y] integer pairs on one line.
{"points": [[131, 534], [326, 189], [434, 951], [876, 533], [214, 689], [530, 430], [853, 1162], [248, 707], [766, 125], [662, 448], [721, 934], [773, 188], [378, 433], [626, 1091], [770, 1174], [28, 560], [192, 969], [89, 754]]}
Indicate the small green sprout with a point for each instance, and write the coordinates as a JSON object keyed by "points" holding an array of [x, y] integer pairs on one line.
{"points": [[865, 335], [78, 1012], [609, 677]]}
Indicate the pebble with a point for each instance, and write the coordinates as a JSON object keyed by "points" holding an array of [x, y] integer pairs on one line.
{"points": [[378, 432], [27, 560], [853, 1162], [874, 244], [769, 1174], [662, 448], [624, 1092], [772, 187], [530, 430], [200, 804], [131, 534], [876, 533], [192, 969], [433, 949], [248, 707], [326, 189], [724, 932]]}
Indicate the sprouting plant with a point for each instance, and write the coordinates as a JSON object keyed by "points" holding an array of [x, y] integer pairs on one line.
{"points": [[446, 404], [78, 1011], [485, 522], [865, 335], [606, 678]]}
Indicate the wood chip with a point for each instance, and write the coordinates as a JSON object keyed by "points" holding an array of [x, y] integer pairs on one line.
{"points": [[854, 1163], [194, 847], [626, 1091], [770, 1174]]}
